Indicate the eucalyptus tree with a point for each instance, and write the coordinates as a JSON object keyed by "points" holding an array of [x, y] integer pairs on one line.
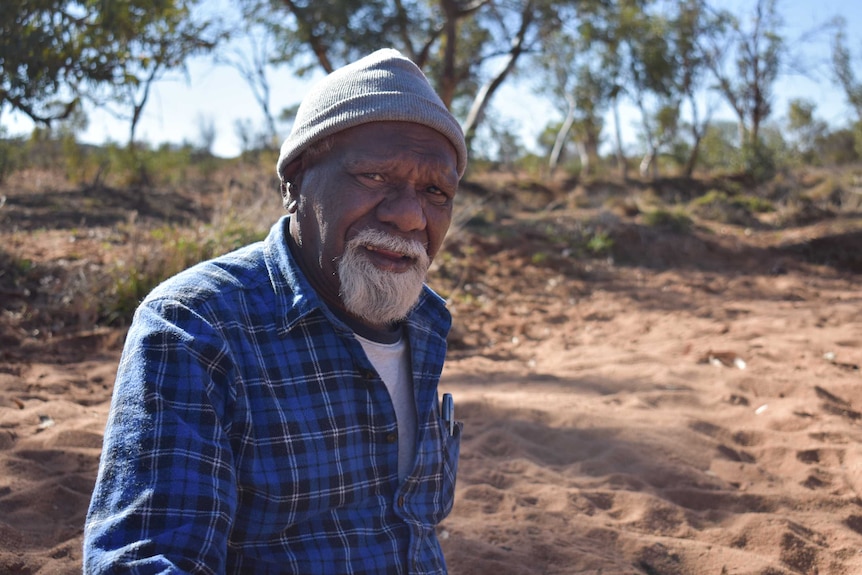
{"points": [[845, 75], [56, 53], [805, 129], [326, 34], [161, 39], [691, 25], [604, 28], [47, 51], [747, 83], [650, 75], [250, 52], [842, 66], [576, 84], [468, 48]]}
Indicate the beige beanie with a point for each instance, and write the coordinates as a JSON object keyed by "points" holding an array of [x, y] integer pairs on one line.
{"points": [[384, 86]]}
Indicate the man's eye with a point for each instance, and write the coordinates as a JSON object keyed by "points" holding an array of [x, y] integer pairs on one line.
{"points": [[374, 176], [437, 194]]}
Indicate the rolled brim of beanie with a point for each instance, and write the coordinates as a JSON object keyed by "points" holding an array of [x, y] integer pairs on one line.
{"points": [[384, 86], [367, 108]]}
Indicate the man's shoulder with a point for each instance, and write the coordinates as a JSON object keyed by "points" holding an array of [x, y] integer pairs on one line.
{"points": [[221, 278]]}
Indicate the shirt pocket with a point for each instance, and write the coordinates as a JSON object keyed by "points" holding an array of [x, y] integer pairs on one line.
{"points": [[433, 493]]}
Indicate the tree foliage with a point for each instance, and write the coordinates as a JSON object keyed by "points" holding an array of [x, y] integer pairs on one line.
{"points": [[747, 84], [467, 48], [661, 57], [53, 53], [842, 65], [156, 45], [46, 47], [576, 79]]}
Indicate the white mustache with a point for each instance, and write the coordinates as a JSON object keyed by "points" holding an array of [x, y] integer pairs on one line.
{"points": [[376, 239], [379, 296]]}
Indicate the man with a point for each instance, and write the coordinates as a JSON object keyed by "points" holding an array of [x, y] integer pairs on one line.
{"points": [[276, 409]]}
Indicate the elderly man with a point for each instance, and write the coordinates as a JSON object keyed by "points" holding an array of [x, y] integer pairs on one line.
{"points": [[276, 409]]}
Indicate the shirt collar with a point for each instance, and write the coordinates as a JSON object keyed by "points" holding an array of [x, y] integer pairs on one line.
{"points": [[296, 298]]}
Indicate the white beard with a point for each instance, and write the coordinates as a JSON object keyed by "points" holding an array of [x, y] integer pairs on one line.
{"points": [[375, 295]]}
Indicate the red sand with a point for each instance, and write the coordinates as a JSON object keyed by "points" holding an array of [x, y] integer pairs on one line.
{"points": [[664, 419]]}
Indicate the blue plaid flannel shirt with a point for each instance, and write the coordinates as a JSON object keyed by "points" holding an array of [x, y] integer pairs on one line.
{"points": [[249, 433]]}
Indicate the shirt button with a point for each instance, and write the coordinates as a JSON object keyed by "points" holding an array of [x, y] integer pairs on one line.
{"points": [[400, 501], [367, 374], [391, 437]]}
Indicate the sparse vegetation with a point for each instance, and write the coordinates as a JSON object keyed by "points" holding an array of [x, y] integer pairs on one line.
{"points": [[120, 223], [674, 220], [741, 209]]}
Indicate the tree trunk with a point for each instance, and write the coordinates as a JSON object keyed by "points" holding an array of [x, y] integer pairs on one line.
{"points": [[483, 98], [693, 155], [584, 155], [621, 158], [562, 134], [647, 163]]}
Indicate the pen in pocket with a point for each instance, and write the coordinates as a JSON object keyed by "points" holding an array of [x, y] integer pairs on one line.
{"points": [[447, 412]]}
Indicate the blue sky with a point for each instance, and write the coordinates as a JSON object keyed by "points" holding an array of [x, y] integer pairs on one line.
{"points": [[177, 109]]}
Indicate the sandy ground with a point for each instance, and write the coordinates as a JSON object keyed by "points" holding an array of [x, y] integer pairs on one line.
{"points": [[704, 426], [700, 414]]}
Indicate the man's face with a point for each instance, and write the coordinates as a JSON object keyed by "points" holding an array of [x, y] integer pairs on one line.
{"points": [[371, 213]]}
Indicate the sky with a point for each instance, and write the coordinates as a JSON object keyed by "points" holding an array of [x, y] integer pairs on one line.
{"points": [[217, 94]]}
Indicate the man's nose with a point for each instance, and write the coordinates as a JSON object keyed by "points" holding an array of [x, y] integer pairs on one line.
{"points": [[403, 208]]}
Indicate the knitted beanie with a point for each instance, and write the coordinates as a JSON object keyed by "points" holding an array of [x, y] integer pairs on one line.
{"points": [[384, 86]]}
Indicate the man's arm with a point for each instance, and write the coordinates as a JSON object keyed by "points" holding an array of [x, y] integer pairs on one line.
{"points": [[165, 494]]}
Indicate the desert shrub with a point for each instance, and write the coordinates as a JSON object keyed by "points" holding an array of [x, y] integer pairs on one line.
{"points": [[800, 211], [828, 192], [758, 161], [753, 204], [672, 220], [837, 148], [10, 157], [169, 250], [600, 243], [719, 206]]}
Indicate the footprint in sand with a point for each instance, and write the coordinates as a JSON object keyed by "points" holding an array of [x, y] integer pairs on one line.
{"points": [[7, 439], [827, 456], [800, 548]]}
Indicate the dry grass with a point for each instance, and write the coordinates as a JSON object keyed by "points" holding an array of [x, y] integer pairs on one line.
{"points": [[74, 256]]}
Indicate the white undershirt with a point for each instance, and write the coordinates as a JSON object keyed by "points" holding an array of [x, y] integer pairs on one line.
{"points": [[392, 362]]}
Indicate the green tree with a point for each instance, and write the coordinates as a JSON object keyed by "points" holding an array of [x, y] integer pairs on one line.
{"points": [[468, 48], [46, 48], [54, 53], [842, 65], [577, 85], [747, 85], [650, 76], [845, 75], [691, 24], [718, 147], [251, 54], [326, 34], [606, 29], [804, 130], [159, 43]]}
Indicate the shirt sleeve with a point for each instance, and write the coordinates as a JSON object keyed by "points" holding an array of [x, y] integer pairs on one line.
{"points": [[166, 491]]}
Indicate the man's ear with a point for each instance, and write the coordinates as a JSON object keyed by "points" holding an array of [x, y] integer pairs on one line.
{"points": [[290, 173], [291, 176]]}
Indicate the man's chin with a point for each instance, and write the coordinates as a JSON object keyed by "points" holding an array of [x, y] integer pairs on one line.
{"points": [[384, 301], [379, 289]]}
